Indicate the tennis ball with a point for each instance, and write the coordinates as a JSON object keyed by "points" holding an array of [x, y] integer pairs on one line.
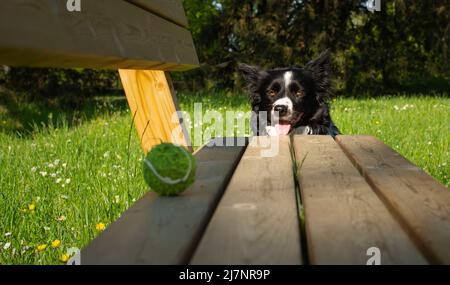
{"points": [[169, 169]]}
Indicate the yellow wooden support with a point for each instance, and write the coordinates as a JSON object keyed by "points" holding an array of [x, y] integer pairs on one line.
{"points": [[153, 108]]}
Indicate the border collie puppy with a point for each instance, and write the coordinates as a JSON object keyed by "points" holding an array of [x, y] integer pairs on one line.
{"points": [[291, 100]]}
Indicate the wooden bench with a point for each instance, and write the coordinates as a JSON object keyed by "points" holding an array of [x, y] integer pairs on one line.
{"points": [[142, 38], [317, 201]]}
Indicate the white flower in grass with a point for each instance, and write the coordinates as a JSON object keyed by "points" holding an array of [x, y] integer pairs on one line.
{"points": [[7, 234], [7, 245], [64, 165], [106, 154], [58, 180], [33, 169], [56, 162], [46, 228], [63, 185], [67, 180], [53, 175], [51, 165], [43, 173]]}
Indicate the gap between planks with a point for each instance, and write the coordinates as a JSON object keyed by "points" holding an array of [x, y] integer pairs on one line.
{"points": [[419, 202], [256, 221], [343, 216]]}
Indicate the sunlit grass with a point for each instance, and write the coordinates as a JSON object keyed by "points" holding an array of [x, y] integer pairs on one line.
{"points": [[61, 185]]}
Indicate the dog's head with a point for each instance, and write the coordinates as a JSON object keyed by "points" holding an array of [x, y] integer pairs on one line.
{"points": [[288, 95]]}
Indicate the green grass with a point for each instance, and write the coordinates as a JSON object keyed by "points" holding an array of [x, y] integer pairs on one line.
{"points": [[105, 175]]}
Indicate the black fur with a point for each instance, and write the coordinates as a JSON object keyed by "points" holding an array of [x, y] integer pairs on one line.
{"points": [[309, 92]]}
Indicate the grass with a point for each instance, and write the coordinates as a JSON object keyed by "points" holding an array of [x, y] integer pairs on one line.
{"points": [[65, 176]]}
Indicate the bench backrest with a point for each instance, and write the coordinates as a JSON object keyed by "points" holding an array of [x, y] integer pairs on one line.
{"points": [[114, 34]]}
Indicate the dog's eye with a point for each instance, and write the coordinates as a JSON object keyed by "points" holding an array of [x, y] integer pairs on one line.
{"points": [[271, 93], [299, 93]]}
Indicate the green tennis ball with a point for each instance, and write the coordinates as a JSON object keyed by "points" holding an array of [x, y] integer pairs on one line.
{"points": [[169, 169]]}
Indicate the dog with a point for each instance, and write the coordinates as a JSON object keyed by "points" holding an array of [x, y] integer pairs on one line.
{"points": [[291, 100]]}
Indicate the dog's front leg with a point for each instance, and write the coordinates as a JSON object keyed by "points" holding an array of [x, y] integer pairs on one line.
{"points": [[317, 129]]}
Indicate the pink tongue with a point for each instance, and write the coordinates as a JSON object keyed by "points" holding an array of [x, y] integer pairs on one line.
{"points": [[283, 129]]}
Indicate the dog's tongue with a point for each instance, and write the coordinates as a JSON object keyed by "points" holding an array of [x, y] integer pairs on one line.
{"points": [[283, 129]]}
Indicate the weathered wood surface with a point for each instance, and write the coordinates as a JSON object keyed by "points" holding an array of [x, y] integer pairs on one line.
{"points": [[256, 221], [344, 217], [171, 10], [420, 202], [105, 34], [165, 230]]}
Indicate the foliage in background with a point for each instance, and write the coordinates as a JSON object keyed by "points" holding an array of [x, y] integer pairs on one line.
{"points": [[49, 84], [405, 47]]}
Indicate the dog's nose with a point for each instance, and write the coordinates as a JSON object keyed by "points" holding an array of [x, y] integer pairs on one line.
{"points": [[281, 109]]}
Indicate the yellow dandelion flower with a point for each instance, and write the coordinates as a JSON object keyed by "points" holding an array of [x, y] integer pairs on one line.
{"points": [[41, 247], [377, 122], [31, 207], [100, 227], [56, 243], [61, 218], [64, 258]]}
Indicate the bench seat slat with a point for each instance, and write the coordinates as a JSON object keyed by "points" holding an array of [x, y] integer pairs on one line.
{"points": [[256, 222], [165, 230], [343, 216], [420, 202]]}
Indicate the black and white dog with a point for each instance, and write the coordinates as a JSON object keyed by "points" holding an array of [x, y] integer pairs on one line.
{"points": [[293, 100]]}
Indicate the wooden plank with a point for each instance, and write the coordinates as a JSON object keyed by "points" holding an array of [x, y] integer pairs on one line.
{"points": [[171, 10], [256, 222], [151, 103], [420, 202], [343, 216], [105, 34], [165, 230]]}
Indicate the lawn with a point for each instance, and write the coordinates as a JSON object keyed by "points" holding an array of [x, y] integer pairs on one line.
{"points": [[65, 178]]}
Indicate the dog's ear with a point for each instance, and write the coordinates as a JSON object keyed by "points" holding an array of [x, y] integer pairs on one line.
{"points": [[320, 69], [250, 74]]}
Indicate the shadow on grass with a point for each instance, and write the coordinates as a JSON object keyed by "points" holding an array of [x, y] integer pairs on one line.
{"points": [[21, 116]]}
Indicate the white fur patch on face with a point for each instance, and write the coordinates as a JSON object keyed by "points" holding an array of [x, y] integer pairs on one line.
{"points": [[287, 79], [286, 102]]}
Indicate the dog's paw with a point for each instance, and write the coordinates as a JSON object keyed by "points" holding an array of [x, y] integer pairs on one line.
{"points": [[303, 130]]}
